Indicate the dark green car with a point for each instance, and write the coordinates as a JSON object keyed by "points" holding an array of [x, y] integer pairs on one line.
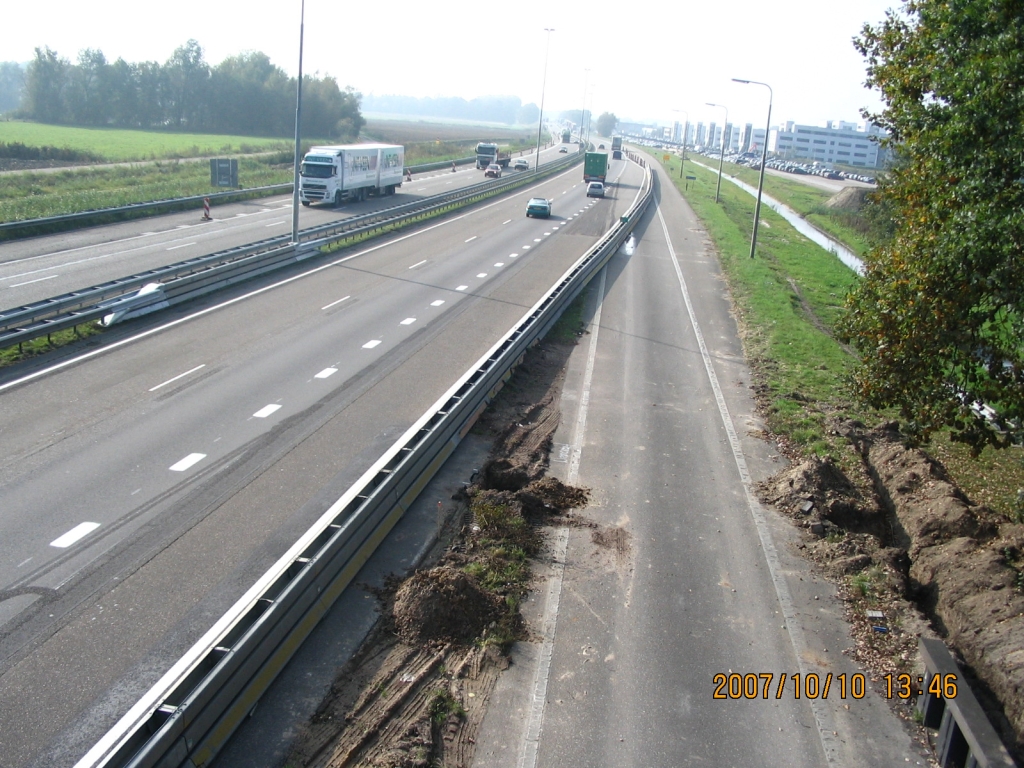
{"points": [[538, 207]]}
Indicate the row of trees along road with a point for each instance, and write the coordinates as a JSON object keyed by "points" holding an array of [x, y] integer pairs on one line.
{"points": [[939, 315], [244, 94]]}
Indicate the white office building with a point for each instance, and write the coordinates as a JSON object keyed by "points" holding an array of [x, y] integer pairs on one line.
{"points": [[832, 142]]}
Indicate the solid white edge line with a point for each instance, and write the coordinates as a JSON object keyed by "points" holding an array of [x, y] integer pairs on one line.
{"points": [[179, 376], [822, 717], [69, 538], [418, 263], [535, 719]]}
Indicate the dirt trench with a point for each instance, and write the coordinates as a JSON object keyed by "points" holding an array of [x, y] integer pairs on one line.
{"points": [[416, 692], [900, 538]]}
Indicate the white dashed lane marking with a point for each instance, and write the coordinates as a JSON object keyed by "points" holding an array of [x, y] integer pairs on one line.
{"points": [[500, 264], [437, 303], [175, 378], [69, 538], [471, 239], [462, 288], [418, 263], [191, 460], [482, 274], [336, 302], [266, 410], [325, 373], [371, 344], [408, 321]]}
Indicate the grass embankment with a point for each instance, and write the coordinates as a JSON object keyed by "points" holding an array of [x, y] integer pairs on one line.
{"points": [[788, 300], [32, 195], [848, 227]]}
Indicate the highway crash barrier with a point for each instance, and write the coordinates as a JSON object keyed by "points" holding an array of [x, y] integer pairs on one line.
{"points": [[188, 716], [966, 738]]}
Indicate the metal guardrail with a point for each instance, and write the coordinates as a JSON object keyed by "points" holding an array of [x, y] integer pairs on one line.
{"points": [[966, 737], [180, 281], [188, 716]]}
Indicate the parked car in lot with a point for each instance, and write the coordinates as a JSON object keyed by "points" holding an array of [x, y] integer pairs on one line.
{"points": [[522, 164], [595, 189], [563, 150], [493, 171], [538, 207]]}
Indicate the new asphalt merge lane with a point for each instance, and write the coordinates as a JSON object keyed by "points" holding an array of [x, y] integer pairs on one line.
{"points": [[685, 576]]}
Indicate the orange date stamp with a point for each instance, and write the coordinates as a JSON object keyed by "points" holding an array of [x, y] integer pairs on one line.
{"points": [[814, 685]]}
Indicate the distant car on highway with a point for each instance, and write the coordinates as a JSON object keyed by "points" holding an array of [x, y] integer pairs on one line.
{"points": [[563, 150], [493, 171], [538, 207], [595, 189], [521, 164]]}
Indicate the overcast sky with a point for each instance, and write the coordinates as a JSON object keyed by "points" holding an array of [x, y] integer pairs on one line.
{"points": [[644, 59]]}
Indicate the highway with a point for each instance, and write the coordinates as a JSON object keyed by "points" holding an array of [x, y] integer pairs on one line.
{"points": [[147, 484], [40, 267]]}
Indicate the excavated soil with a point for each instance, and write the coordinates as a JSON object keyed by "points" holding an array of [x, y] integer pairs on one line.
{"points": [[848, 198], [899, 537], [416, 692]]}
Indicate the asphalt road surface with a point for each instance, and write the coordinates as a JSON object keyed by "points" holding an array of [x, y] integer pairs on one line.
{"points": [[148, 481], [37, 268], [686, 576]]}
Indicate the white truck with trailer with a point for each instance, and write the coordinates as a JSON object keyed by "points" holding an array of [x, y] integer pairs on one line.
{"points": [[334, 174]]}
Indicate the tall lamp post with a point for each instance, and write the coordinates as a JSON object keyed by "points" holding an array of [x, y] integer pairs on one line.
{"points": [[543, 86], [298, 118], [764, 158], [721, 155], [686, 130]]}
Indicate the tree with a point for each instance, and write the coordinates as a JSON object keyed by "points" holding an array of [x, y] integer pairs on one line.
{"points": [[606, 124], [528, 114], [12, 86], [45, 86], [188, 75], [938, 315]]}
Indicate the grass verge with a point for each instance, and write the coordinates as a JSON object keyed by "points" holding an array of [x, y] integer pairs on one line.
{"points": [[41, 346]]}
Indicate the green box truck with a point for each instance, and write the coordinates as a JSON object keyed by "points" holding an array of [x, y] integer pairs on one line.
{"points": [[595, 166]]}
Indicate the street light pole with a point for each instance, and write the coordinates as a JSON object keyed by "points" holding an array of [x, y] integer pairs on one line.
{"points": [[764, 159], [298, 148], [721, 156], [543, 86]]}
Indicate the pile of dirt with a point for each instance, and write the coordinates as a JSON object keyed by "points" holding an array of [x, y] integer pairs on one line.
{"points": [[442, 604], [817, 492], [965, 567], [416, 692], [902, 540], [848, 198]]}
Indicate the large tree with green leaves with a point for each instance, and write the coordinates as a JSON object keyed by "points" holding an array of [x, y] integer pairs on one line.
{"points": [[606, 124], [938, 316]]}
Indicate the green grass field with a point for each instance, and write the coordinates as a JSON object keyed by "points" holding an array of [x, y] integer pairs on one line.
{"points": [[844, 226], [788, 300], [117, 145]]}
